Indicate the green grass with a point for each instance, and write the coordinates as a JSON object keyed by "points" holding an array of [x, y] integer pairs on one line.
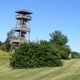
{"points": [[70, 71]]}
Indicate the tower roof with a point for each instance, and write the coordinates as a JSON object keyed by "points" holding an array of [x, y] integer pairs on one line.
{"points": [[23, 11]]}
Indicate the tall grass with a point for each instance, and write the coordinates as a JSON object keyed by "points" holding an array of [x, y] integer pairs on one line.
{"points": [[4, 54]]}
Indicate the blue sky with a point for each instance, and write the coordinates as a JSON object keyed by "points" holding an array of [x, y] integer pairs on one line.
{"points": [[48, 16]]}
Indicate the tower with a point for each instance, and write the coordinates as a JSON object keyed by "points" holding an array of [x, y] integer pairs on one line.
{"points": [[22, 27]]}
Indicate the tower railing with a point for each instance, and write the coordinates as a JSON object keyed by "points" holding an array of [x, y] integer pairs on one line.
{"points": [[22, 28], [22, 16], [19, 40]]}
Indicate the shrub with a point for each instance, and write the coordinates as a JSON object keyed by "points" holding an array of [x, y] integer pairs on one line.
{"points": [[35, 55], [62, 51]]}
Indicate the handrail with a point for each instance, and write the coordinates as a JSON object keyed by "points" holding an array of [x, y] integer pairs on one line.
{"points": [[21, 16], [19, 40], [21, 28]]}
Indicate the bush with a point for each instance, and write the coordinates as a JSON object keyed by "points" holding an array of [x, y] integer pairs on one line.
{"points": [[62, 51], [35, 55], [75, 55]]}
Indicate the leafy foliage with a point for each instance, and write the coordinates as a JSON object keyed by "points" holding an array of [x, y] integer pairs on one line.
{"points": [[58, 38], [35, 55], [75, 55], [5, 46], [42, 53], [59, 42], [8, 39]]}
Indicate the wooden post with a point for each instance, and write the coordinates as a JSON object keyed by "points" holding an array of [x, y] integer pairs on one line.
{"points": [[11, 47], [29, 36], [29, 32]]}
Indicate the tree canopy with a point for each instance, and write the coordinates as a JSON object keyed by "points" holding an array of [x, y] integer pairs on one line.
{"points": [[58, 38], [59, 42]]}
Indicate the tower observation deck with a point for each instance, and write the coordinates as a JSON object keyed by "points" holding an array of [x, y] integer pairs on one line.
{"points": [[22, 27]]}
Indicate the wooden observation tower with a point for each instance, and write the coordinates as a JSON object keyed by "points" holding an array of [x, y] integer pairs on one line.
{"points": [[22, 27]]}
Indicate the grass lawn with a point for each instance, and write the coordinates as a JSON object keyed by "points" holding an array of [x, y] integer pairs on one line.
{"points": [[70, 71]]}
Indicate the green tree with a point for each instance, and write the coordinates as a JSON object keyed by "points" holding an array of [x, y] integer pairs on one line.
{"points": [[58, 38], [8, 39], [59, 41]]}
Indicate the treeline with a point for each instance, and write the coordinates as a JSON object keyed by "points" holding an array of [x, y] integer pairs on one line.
{"points": [[75, 55]]}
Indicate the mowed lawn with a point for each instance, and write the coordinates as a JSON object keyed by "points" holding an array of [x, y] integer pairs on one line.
{"points": [[70, 71]]}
